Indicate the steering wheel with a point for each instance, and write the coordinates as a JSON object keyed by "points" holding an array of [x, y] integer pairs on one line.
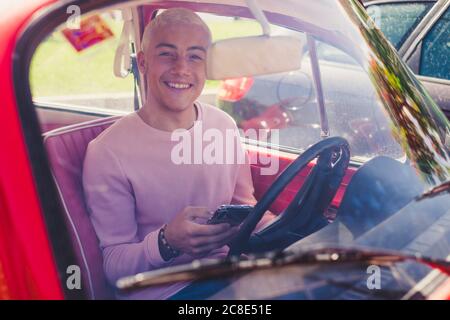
{"points": [[304, 215]]}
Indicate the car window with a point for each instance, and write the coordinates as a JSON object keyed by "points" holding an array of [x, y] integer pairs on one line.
{"points": [[397, 20], [276, 108], [353, 109], [286, 104], [435, 57], [74, 67]]}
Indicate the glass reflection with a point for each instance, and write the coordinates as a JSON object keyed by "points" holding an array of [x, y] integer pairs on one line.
{"points": [[418, 124]]}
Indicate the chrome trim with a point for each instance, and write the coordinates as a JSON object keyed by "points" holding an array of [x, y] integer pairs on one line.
{"points": [[78, 109], [375, 2], [77, 126], [427, 285], [324, 127], [411, 43], [435, 80]]}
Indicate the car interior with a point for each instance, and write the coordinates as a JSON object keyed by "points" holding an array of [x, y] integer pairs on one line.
{"points": [[323, 194]]}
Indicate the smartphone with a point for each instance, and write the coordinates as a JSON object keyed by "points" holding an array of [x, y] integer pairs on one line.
{"points": [[231, 213]]}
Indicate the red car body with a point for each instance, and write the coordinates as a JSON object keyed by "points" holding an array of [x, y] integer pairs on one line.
{"points": [[28, 267]]}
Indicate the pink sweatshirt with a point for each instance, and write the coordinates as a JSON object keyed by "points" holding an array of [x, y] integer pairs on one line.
{"points": [[133, 187]]}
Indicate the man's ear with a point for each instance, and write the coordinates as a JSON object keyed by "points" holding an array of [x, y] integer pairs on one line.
{"points": [[142, 64]]}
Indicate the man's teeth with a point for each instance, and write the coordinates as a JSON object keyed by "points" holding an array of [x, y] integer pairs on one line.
{"points": [[178, 85]]}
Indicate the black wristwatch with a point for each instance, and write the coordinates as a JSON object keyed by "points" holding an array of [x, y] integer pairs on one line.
{"points": [[165, 249]]}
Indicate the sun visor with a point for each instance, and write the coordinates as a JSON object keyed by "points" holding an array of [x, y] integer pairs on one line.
{"points": [[251, 56]]}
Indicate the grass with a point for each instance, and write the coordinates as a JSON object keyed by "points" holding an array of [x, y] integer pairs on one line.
{"points": [[57, 69]]}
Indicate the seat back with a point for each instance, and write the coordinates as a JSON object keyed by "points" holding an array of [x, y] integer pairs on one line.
{"points": [[66, 149]]}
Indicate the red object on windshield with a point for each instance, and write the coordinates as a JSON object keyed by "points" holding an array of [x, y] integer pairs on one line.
{"points": [[92, 30], [272, 118], [234, 89]]}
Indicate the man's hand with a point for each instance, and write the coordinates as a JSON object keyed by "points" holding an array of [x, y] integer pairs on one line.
{"points": [[185, 234]]}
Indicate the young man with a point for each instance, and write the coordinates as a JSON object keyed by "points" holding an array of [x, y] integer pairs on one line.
{"points": [[148, 211]]}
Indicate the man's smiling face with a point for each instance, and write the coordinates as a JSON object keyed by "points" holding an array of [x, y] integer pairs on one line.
{"points": [[174, 62]]}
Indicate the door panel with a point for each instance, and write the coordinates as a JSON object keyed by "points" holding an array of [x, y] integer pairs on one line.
{"points": [[53, 117]]}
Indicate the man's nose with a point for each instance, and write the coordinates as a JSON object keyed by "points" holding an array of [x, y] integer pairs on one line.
{"points": [[181, 67]]}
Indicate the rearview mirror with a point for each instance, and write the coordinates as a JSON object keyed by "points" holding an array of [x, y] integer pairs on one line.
{"points": [[252, 56]]}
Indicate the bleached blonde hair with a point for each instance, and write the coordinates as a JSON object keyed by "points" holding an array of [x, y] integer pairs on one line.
{"points": [[169, 17]]}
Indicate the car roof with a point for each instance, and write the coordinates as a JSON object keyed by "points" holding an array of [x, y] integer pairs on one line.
{"points": [[331, 13], [368, 2]]}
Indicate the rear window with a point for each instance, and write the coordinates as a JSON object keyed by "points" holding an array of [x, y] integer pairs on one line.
{"points": [[398, 20], [75, 68]]}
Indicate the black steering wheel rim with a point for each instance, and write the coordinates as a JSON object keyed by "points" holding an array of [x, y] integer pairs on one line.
{"points": [[324, 150]]}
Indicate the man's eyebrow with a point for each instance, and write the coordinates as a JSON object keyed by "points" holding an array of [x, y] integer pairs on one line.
{"points": [[172, 46], [197, 48], [163, 44]]}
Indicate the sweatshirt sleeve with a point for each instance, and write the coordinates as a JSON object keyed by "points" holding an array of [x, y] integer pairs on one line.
{"points": [[111, 206]]}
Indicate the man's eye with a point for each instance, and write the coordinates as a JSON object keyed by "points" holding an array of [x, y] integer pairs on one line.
{"points": [[196, 57], [165, 54]]}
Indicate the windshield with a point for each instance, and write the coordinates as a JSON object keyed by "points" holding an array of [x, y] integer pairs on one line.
{"points": [[390, 192], [364, 83]]}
